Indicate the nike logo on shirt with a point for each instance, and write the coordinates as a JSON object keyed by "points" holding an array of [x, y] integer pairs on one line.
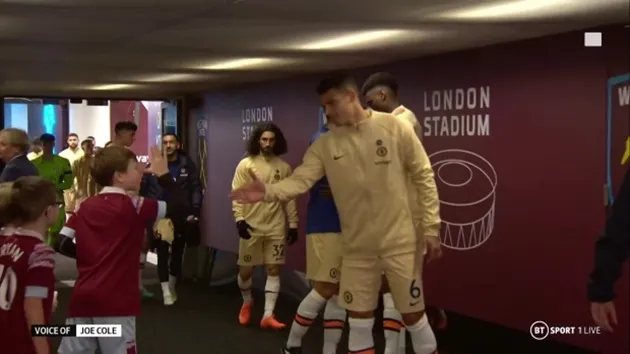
{"points": [[337, 157]]}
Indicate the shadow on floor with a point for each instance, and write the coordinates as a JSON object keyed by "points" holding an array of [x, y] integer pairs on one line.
{"points": [[204, 320]]}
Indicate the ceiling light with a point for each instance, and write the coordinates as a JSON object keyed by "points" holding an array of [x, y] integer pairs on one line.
{"points": [[169, 78], [511, 9], [245, 63], [353, 40], [112, 87]]}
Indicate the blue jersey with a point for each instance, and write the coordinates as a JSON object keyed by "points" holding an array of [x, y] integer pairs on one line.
{"points": [[321, 213]]}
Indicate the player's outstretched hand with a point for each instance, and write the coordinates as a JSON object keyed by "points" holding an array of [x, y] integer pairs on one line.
{"points": [[604, 315], [158, 161], [253, 192], [434, 249]]}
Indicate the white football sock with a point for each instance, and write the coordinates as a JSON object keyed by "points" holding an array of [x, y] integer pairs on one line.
{"points": [[422, 337], [166, 289], [271, 294], [392, 324], [360, 339], [246, 289], [334, 321], [304, 317]]}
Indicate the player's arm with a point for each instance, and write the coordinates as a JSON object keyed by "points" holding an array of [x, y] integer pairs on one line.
{"points": [[241, 178], [66, 178], [612, 248], [39, 278], [419, 168], [290, 208], [64, 243], [302, 179]]}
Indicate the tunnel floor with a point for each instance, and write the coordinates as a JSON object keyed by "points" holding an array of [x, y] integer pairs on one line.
{"points": [[204, 320]]}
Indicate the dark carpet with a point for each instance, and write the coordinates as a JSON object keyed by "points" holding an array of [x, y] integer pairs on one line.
{"points": [[204, 320]]}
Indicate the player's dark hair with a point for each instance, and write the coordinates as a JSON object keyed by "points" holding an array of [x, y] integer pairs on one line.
{"points": [[25, 199], [86, 141], [336, 81], [171, 134], [47, 138], [73, 135], [91, 138], [380, 79], [279, 148], [107, 144], [125, 126], [109, 160]]}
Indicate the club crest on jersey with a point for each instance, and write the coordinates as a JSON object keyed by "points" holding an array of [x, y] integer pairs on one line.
{"points": [[347, 297], [277, 177], [381, 151], [247, 258], [183, 172], [379, 142]]}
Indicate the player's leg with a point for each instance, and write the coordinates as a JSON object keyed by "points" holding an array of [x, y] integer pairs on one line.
{"points": [[249, 255], [177, 258], [78, 345], [322, 268], [359, 291], [392, 321], [126, 343], [404, 274], [163, 255], [273, 257], [143, 260]]}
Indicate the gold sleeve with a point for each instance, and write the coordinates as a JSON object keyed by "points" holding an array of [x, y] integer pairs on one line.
{"points": [[241, 178], [421, 174], [302, 179]]}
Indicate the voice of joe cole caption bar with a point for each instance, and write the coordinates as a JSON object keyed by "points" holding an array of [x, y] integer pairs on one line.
{"points": [[76, 330]]}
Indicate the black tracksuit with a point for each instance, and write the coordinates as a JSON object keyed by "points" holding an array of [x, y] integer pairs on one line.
{"points": [[612, 248], [186, 177]]}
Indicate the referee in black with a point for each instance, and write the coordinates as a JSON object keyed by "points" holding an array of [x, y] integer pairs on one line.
{"points": [[611, 250]]}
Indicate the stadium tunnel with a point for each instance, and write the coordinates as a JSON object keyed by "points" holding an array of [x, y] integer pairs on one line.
{"points": [[511, 96]]}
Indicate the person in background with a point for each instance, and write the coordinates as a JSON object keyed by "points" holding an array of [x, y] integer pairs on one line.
{"points": [[323, 263], [27, 264], [93, 140], [84, 184], [170, 252], [380, 92], [57, 170], [262, 225], [124, 134], [14, 145], [612, 249], [71, 153], [36, 150]]}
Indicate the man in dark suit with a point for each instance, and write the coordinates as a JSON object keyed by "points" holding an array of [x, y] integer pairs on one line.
{"points": [[184, 231], [14, 144], [611, 251]]}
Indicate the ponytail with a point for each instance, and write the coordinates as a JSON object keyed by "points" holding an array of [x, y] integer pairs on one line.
{"points": [[25, 200]]}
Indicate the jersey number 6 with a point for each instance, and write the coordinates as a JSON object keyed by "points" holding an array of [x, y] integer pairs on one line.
{"points": [[414, 290], [8, 287]]}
